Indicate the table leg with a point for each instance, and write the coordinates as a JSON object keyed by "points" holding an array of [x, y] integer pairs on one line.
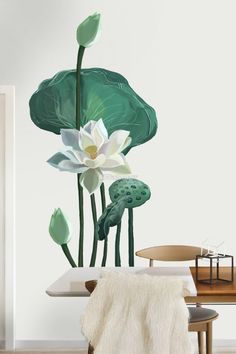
{"points": [[90, 349]]}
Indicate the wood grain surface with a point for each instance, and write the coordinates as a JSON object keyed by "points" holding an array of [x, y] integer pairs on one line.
{"points": [[221, 292]]}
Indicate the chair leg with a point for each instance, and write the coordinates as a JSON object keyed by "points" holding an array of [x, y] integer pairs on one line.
{"points": [[200, 336], [200, 342], [90, 350], [209, 338]]}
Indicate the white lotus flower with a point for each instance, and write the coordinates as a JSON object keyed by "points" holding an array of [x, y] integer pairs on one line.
{"points": [[90, 152]]}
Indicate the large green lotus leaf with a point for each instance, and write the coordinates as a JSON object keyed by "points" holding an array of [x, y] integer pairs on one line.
{"points": [[104, 94]]}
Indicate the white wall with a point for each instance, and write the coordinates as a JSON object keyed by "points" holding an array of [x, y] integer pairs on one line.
{"points": [[2, 241], [178, 55]]}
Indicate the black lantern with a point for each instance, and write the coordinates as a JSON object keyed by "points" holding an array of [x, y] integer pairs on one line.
{"points": [[212, 280]]}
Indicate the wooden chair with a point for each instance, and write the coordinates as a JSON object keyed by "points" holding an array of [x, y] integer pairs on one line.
{"points": [[200, 319]]}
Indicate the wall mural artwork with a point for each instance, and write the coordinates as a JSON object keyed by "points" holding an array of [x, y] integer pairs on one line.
{"points": [[100, 118]]}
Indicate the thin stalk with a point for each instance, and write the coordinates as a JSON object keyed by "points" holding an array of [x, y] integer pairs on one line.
{"points": [[117, 246], [80, 189], [81, 223], [103, 196], [105, 249], [78, 86], [67, 253], [95, 240], [131, 238], [103, 200]]}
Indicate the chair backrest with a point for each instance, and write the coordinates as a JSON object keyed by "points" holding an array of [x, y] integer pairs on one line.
{"points": [[170, 253]]}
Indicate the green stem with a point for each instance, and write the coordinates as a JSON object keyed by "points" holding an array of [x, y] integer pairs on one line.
{"points": [[81, 223], [103, 200], [105, 248], [95, 240], [67, 253], [103, 196], [78, 85], [117, 246], [80, 189], [131, 238]]}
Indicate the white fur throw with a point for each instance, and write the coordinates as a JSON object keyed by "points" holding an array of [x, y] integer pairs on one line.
{"points": [[137, 314]]}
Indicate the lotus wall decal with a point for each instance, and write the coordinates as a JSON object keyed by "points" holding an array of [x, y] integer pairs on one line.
{"points": [[100, 118]]}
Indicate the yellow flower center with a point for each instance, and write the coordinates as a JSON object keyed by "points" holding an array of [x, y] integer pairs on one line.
{"points": [[92, 151]]}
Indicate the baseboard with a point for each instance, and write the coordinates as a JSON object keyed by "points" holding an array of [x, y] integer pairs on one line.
{"points": [[51, 344], [224, 346], [224, 350], [220, 346]]}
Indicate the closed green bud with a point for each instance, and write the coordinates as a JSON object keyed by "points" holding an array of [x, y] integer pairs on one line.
{"points": [[89, 30], [59, 227]]}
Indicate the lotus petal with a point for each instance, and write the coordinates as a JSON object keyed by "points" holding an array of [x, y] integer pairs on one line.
{"points": [[91, 179]]}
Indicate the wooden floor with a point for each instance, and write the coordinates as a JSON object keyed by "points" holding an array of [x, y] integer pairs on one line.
{"points": [[48, 352], [227, 351]]}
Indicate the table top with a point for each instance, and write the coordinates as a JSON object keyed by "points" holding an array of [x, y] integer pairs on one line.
{"points": [[72, 283], [221, 288]]}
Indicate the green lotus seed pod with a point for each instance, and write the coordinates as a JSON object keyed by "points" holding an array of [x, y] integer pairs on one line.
{"points": [[135, 192]]}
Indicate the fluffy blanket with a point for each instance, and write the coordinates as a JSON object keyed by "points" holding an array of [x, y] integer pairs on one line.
{"points": [[137, 314]]}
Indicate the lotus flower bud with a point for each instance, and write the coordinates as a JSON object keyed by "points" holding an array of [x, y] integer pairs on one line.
{"points": [[89, 30], [59, 227]]}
